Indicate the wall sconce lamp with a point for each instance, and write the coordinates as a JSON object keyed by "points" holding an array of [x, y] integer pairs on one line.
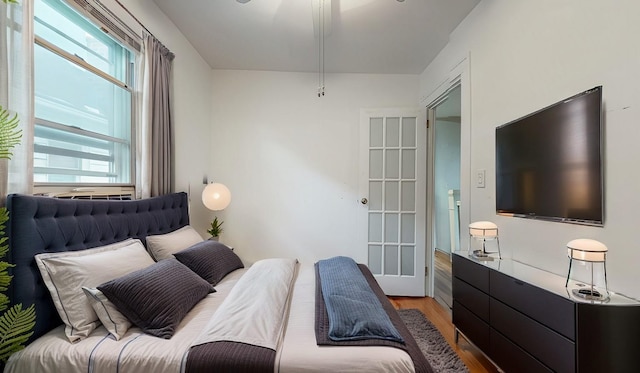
{"points": [[216, 197], [484, 231], [593, 252]]}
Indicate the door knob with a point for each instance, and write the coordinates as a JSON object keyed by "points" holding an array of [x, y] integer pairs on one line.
{"points": [[364, 201]]}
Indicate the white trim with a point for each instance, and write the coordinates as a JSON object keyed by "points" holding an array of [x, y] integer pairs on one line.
{"points": [[80, 62], [447, 83], [103, 15], [458, 75], [84, 192]]}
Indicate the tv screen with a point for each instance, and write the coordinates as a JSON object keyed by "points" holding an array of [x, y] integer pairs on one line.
{"points": [[549, 163]]}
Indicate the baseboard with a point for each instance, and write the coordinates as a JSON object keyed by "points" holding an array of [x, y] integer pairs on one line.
{"points": [[447, 254]]}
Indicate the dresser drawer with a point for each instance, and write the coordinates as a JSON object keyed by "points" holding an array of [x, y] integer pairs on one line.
{"points": [[554, 350], [511, 358], [472, 298], [607, 338], [471, 326], [471, 272], [552, 310]]}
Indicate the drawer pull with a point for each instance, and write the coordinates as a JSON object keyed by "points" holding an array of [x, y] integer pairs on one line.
{"points": [[518, 282]]}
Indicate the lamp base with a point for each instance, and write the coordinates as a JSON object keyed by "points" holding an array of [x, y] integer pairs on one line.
{"points": [[589, 294], [480, 255]]}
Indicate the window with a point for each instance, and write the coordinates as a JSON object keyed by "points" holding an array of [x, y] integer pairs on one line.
{"points": [[83, 101]]}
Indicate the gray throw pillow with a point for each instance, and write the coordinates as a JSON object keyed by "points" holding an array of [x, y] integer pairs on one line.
{"points": [[158, 297], [211, 260]]}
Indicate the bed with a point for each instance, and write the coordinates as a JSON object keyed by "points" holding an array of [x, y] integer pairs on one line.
{"points": [[60, 232]]}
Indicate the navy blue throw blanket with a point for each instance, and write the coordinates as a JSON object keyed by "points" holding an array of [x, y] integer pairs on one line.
{"points": [[353, 309]]}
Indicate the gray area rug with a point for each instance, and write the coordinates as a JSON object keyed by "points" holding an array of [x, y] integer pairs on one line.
{"points": [[433, 345]]}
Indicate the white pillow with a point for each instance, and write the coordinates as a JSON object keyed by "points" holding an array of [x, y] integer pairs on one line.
{"points": [[65, 273], [115, 322], [163, 246]]}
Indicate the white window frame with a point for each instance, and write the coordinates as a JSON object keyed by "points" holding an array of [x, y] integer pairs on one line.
{"points": [[94, 15]]}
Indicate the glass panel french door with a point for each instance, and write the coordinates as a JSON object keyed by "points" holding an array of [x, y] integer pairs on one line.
{"points": [[394, 198]]}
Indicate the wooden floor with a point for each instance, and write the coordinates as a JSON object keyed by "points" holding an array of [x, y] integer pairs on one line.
{"points": [[442, 279], [441, 318], [438, 311]]}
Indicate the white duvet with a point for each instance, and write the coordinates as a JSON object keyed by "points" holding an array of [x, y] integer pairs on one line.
{"points": [[138, 352], [255, 310]]}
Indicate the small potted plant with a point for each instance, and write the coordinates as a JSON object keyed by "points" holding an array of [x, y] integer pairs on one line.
{"points": [[216, 229]]}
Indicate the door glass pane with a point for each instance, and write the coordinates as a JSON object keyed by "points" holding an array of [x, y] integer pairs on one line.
{"points": [[409, 132], [390, 259], [375, 132], [408, 228], [407, 260], [375, 164], [393, 132], [375, 227], [375, 195], [408, 164], [408, 196], [390, 227], [392, 164], [391, 195], [375, 259]]}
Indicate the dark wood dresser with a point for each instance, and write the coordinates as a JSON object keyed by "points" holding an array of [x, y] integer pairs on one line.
{"points": [[524, 320]]}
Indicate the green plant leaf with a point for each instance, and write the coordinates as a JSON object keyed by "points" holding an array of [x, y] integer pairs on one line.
{"points": [[16, 326], [10, 135], [216, 227], [4, 216], [5, 278], [4, 247], [4, 302]]}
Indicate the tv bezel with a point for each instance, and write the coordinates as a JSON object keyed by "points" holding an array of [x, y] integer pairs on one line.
{"points": [[596, 223]]}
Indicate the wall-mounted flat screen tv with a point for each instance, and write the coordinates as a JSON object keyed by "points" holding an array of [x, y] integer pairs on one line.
{"points": [[549, 164]]}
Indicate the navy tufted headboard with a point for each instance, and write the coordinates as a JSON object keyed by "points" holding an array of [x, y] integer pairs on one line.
{"points": [[43, 224]]}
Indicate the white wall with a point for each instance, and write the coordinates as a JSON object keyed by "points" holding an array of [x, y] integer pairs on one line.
{"points": [[447, 177], [291, 159], [191, 106], [525, 55]]}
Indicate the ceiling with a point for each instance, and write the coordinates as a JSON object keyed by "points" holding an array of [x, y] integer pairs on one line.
{"points": [[362, 36]]}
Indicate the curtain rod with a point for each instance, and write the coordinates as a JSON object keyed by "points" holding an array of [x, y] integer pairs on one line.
{"points": [[134, 17]]}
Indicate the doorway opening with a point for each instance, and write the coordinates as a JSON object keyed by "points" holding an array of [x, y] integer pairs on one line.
{"points": [[445, 115]]}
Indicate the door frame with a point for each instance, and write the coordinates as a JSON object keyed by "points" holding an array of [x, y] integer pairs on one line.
{"points": [[458, 75]]}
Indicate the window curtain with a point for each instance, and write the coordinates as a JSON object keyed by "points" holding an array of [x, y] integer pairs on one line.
{"points": [[16, 92], [155, 134]]}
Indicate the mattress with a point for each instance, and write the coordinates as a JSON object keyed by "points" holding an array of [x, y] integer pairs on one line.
{"points": [[137, 351]]}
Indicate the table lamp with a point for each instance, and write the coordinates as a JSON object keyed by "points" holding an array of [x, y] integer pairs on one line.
{"points": [[592, 252], [484, 231]]}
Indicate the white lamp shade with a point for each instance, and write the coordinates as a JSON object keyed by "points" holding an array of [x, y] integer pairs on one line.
{"points": [[587, 250], [483, 229], [216, 196]]}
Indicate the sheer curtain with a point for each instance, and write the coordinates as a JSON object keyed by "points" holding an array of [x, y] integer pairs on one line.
{"points": [[16, 92], [155, 135]]}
